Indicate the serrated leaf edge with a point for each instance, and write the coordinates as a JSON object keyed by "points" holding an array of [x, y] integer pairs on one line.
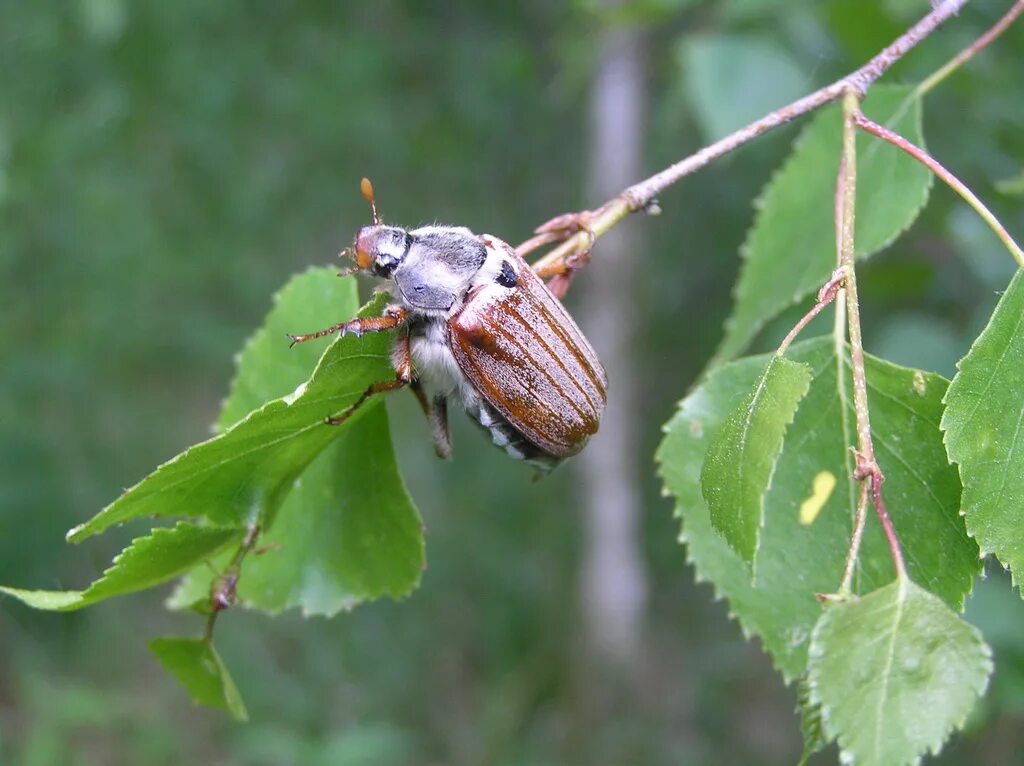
{"points": [[677, 513], [749, 409], [83, 596], [1016, 581], [932, 748], [82, 531]]}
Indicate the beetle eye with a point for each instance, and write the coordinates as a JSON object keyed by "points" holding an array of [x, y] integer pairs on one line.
{"points": [[384, 265]]}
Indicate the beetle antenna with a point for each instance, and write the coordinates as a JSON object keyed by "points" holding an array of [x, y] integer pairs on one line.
{"points": [[367, 189]]}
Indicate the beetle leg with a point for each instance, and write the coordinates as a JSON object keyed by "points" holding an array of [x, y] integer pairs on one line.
{"points": [[392, 317], [436, 412], [567, 222], [558, 229], [538, 241], [439, 423], [402, 361], [374, 388], [421, 397], [566, 270]]}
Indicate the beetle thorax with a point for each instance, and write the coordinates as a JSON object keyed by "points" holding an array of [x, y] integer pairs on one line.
{"points": [[436, 269]]}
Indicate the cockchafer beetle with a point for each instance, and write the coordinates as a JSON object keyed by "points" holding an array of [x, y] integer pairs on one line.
{"points": [[478, 325]]}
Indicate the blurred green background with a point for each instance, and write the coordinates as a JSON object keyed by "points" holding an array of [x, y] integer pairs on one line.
{"points": [[164, 167]]}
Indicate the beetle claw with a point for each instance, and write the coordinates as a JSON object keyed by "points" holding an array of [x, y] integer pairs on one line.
{"points": [[566, 223]]}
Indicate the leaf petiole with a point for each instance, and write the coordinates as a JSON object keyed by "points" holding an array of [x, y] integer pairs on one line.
{"points": [[944, 175]]}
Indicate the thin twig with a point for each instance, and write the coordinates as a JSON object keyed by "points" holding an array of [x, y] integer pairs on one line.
{"points": [[945, 175], [867, 468], [970, 51], [857, 513], [224, 588], [641, 195], [845, 587], [826, 295]]}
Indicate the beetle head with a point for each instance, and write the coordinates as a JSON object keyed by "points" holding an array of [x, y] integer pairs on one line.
{"points": [[377, 249]]}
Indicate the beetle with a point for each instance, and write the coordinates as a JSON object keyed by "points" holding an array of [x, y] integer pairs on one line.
{"points": [[477, 325]]}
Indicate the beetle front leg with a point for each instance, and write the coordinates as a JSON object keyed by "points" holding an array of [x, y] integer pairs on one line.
{"points": [[539, 240], [566, 270], [560, 228], [393, 316]]}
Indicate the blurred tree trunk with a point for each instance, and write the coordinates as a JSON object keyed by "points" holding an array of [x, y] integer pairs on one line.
{"points": [[614, 581]]}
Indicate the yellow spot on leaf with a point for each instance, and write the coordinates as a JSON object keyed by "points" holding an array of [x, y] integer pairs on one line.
{"points": [[920, 384], [821, 491]]}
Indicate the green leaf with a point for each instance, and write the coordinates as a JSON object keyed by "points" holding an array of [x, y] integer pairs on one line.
{"points": [[734, 79], [895, 672], [146, 563], [790, 250], [245, 473], [348, 530], [799, 557], [197, 666], [266, 367], [984, 425], [740, 462]]}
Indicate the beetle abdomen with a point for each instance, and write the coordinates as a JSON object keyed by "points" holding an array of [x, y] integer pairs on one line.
{"points": [[504, 435], [524, 355]]}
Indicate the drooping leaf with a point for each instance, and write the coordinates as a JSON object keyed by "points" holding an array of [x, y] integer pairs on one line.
{"points": [[734, 79], [796, 560], [348, 530], [198, 667], [741, 459], [984, 431], [895, 672], [147, 562], [245, 473], [790, 250]]}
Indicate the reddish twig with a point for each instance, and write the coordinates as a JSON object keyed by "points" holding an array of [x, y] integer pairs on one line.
{"points": [[944, 175], [224, 589], [826, 295], [845, 586], [867, 468]]}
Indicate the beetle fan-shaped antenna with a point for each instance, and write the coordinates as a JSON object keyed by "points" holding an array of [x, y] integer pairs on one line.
{"points": [[367, 189]]}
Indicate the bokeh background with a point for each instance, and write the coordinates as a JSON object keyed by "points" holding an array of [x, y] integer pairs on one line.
{"points": [[164, 168]]}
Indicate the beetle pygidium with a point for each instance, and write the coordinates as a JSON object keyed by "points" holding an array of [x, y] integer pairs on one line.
{"points": [[477, 325]]}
